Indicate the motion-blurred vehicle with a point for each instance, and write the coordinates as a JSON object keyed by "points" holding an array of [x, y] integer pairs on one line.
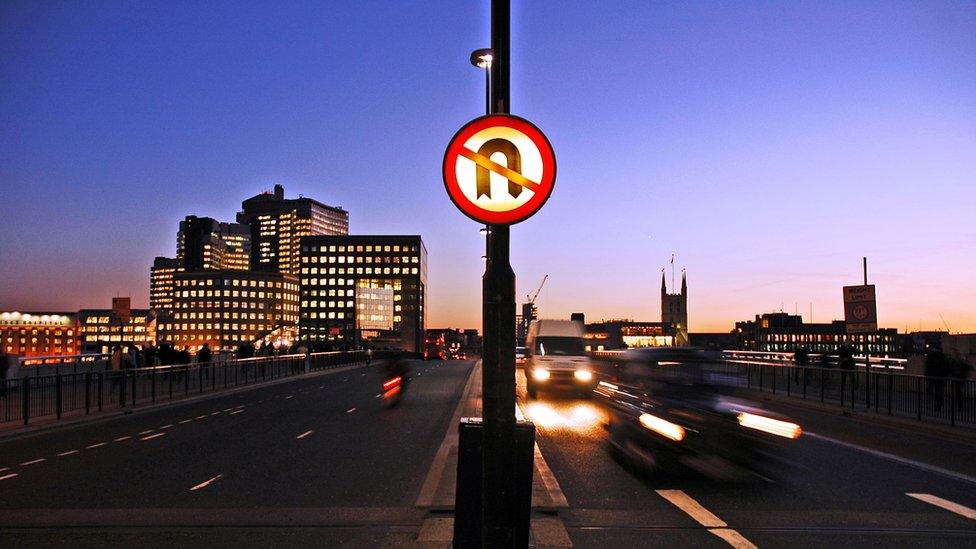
{"points": [[520, 357], [396, 379], [676, 405], [555, 359], [434, 349]]}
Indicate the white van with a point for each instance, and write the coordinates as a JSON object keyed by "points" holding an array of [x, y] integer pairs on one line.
{"points": [[555, 359]]}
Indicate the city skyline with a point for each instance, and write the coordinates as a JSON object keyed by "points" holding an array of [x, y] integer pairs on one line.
{"points": [[770, 163]]}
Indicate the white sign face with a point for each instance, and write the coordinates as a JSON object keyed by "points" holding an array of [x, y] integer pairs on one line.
{"points": [[499, 169]]}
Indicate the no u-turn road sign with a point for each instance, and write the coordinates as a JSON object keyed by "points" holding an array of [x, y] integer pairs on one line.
{"points": [[499, 169]]}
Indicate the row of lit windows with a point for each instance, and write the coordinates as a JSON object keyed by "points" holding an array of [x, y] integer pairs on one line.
{"points": [[216, 326], [823, 337], [238, 282], [111, 329], [209, 315], [359, 271], [234, 293], [360, 259], [105, 320], [363, 248]]}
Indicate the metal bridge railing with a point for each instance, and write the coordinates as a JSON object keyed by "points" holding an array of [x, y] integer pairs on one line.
{"points": [[75, 393]]}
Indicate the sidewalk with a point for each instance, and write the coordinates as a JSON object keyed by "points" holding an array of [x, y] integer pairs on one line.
{"points": [[438, 492]]}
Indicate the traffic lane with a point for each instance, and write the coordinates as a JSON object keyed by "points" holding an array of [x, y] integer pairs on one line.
{"points": [[135, 447], [956, 452], [254, 445], [812, 485], [21, 448], [355, 451]]}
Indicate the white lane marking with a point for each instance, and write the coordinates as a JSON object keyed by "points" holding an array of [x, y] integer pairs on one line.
{"points": [[11, 475], [235, 412], [733, 538], [146, 432], [215, 413], [350, 410], [167, 426], [896, 459], [201, 417], [289, 396], [692, 508], [321, 386], [240, 406], [33, 461], [120, 439], [379, 395], [150, 437], [97, 445], [68, 453], [185, 421], [946, 504], [703, 516], [206, 483], [228, 409], [305, 434], [4, 469]]}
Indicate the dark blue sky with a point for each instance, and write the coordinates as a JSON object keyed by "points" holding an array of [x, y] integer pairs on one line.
{"points": [[768, 145]]}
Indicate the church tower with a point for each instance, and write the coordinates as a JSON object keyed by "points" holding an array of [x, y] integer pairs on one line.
{"points": [[674, 309]]}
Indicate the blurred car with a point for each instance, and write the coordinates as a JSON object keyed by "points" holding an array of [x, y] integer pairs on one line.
{"points": [[555, 359], [520, 357], [666, 408]]}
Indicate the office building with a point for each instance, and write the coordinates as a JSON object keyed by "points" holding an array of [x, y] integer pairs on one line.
{"points": [[100, 330], [783, 332], [204, 243], [226, 308], [364, 290], [623, 334], [38, 334], [161, 284], [277, 225]]}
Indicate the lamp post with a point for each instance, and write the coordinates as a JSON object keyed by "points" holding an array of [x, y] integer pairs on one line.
{"points": [[482, 58]]}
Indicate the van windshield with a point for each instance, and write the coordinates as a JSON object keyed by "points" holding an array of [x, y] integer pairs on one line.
{"points": [[565, 346]]}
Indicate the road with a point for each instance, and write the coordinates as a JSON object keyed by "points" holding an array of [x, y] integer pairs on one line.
{"points": [[320, 455], [319, 462], [820, 492]]}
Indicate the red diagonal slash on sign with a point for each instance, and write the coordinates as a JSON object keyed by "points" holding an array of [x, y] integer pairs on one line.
{"points": [[512, 175]]}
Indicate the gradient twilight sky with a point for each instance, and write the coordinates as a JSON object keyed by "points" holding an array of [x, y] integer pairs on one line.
{"points": [[768, 145]]}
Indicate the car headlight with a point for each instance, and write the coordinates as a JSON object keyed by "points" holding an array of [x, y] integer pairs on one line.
{"points": [[583, 375], [540, 374], [769, 425], [663, 427]]}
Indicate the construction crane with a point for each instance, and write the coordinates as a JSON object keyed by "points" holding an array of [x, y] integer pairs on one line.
{"points": [[531, 298]]}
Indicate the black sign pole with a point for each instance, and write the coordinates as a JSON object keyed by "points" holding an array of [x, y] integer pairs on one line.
{"points": [[498, 321]]}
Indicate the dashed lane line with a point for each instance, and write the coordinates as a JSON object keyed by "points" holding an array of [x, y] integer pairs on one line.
{"points": [[706, 518], [96, 445], [289, 396], [167, 426], [2, 469], [68, 453], [956, 508], [201, 417], [235, 412], [351, 410], [185, 421], [11, 475], [146, 432], [33, 461], [120, 439], [215, 413], [206, 483], [305, 434], [150, 437]]}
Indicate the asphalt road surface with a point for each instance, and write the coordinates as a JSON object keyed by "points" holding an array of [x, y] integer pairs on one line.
{"points": [[320, 456], [830, 488]]}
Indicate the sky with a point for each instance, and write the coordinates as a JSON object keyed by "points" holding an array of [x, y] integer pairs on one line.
{"points": [[768, 146]]}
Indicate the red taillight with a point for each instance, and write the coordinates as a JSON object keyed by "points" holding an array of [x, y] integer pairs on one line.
{"points": [[392, 383]]}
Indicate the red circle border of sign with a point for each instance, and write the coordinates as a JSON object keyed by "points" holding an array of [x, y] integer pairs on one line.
{"points": [[524, 211]]}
